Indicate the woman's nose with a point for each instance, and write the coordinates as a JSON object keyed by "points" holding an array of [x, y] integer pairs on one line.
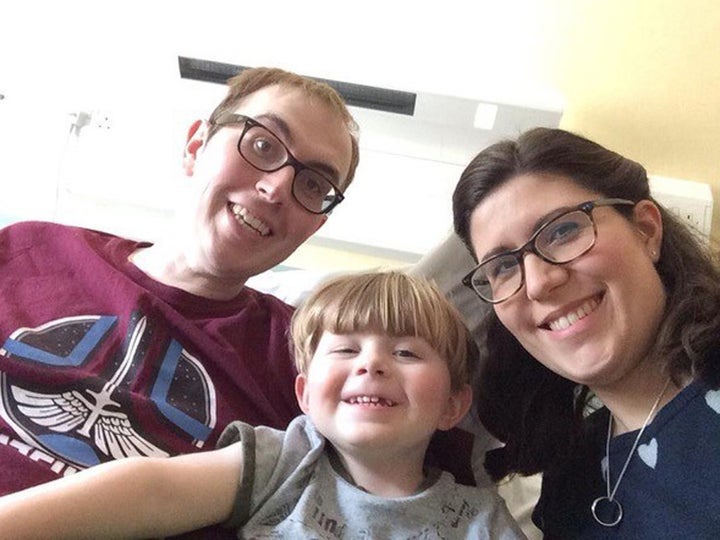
{"points": [[541, 277]]}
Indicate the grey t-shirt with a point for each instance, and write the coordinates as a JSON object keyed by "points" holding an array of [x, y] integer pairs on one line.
{"points": [[289, 489]]}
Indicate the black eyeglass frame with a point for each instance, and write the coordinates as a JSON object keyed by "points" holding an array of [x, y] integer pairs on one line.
{"points": [[297, 165], [529, 246]]}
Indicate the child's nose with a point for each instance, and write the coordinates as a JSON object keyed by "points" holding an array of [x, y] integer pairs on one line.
{"points": [[372, 364]]}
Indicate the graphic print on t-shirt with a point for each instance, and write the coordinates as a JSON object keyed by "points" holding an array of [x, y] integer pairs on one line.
{"points": [[93, 417]]}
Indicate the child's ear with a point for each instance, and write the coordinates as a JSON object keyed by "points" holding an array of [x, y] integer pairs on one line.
{"points": [[301, 393], [457, 407]]}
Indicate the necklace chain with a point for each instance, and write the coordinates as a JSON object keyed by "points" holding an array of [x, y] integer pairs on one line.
{"points": [[610, 497]]}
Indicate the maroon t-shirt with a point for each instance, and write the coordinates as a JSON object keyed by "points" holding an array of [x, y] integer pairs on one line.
{"points": [[99, 362]]}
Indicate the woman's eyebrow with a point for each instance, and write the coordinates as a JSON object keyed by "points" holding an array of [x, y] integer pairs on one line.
{"points": [[542, 220], [495, 251]]}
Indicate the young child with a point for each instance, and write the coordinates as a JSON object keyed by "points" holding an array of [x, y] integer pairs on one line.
{"points": [[384, 361]]}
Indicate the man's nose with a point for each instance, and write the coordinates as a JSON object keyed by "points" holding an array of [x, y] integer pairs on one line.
{"points": [[276, 186]]}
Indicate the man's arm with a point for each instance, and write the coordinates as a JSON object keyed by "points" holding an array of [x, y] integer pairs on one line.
{"points": [[128, 498]]}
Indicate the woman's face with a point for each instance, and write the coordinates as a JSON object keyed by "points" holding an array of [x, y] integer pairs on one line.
{"points": [[591, 320]]}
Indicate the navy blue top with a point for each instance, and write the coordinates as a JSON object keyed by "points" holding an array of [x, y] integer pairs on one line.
{"points": [[671, 488]]}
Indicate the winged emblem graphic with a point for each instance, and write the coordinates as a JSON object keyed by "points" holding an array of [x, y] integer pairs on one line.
{"points": [[92, 414]]}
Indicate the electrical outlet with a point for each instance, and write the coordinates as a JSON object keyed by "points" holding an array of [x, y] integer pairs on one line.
{"points": [[696, 220], [691, 201], [695, 217], [101, 120]]}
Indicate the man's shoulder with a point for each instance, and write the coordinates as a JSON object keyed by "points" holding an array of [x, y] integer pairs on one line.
{"points": [[31, 228], [38, 230], [48, 240]]}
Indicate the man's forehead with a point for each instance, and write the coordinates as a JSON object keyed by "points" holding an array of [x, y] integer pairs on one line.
{"points": [[279, 104]]}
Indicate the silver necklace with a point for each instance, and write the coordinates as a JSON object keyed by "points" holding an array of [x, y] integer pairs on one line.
{"points": [[608, 501]]}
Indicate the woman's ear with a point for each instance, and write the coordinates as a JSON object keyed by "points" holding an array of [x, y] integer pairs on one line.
{"points": [[648, 221], [301, 393], [196, 138], [457, 407]]}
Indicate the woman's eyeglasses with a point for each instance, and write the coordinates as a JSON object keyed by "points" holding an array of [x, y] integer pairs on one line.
{"points": [[564, 238]]}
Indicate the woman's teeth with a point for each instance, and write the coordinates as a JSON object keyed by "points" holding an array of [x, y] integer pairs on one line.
{"points": [[566, 321]]}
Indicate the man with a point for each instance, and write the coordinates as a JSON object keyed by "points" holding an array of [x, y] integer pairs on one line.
{"points": [[111, 347]]}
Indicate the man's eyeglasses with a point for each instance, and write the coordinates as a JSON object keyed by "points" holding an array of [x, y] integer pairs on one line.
{"points": [[564, 238], [264, 150]]}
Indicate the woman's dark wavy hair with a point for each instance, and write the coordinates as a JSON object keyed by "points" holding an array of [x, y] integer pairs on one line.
{"points": [[537, 413]]}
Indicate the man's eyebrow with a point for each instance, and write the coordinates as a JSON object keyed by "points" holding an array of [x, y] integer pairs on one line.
{"points": [[542, 220], [277, 125], [281, 128]]}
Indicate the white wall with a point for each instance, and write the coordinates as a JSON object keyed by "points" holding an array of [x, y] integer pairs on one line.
{"points": [[117, 168]]}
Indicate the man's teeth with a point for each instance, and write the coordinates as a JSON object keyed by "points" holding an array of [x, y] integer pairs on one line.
{"points": [[571, 318], [371, 400], [246, 218]]}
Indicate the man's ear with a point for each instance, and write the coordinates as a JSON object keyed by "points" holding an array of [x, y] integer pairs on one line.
{"points": [[457, 407], [648, 220], [196, 138], [301, 393]]}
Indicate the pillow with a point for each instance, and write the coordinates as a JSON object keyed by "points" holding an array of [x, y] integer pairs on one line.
{"points": [[447, 264]]}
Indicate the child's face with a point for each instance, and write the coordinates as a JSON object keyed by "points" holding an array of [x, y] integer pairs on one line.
{"points": [[373, 392]]}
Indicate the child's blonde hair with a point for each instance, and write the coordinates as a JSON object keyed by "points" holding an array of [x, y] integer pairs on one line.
{"points": [[393, 303]]}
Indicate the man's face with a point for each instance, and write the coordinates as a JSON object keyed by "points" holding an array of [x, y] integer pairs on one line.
{"points": [[246, 221]]}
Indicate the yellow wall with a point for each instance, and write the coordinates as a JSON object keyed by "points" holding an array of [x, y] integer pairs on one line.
{"points": [[311, 256], [643, 78]]}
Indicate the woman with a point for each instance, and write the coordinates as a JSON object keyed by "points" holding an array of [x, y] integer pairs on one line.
{"points": [[603, 342]]}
